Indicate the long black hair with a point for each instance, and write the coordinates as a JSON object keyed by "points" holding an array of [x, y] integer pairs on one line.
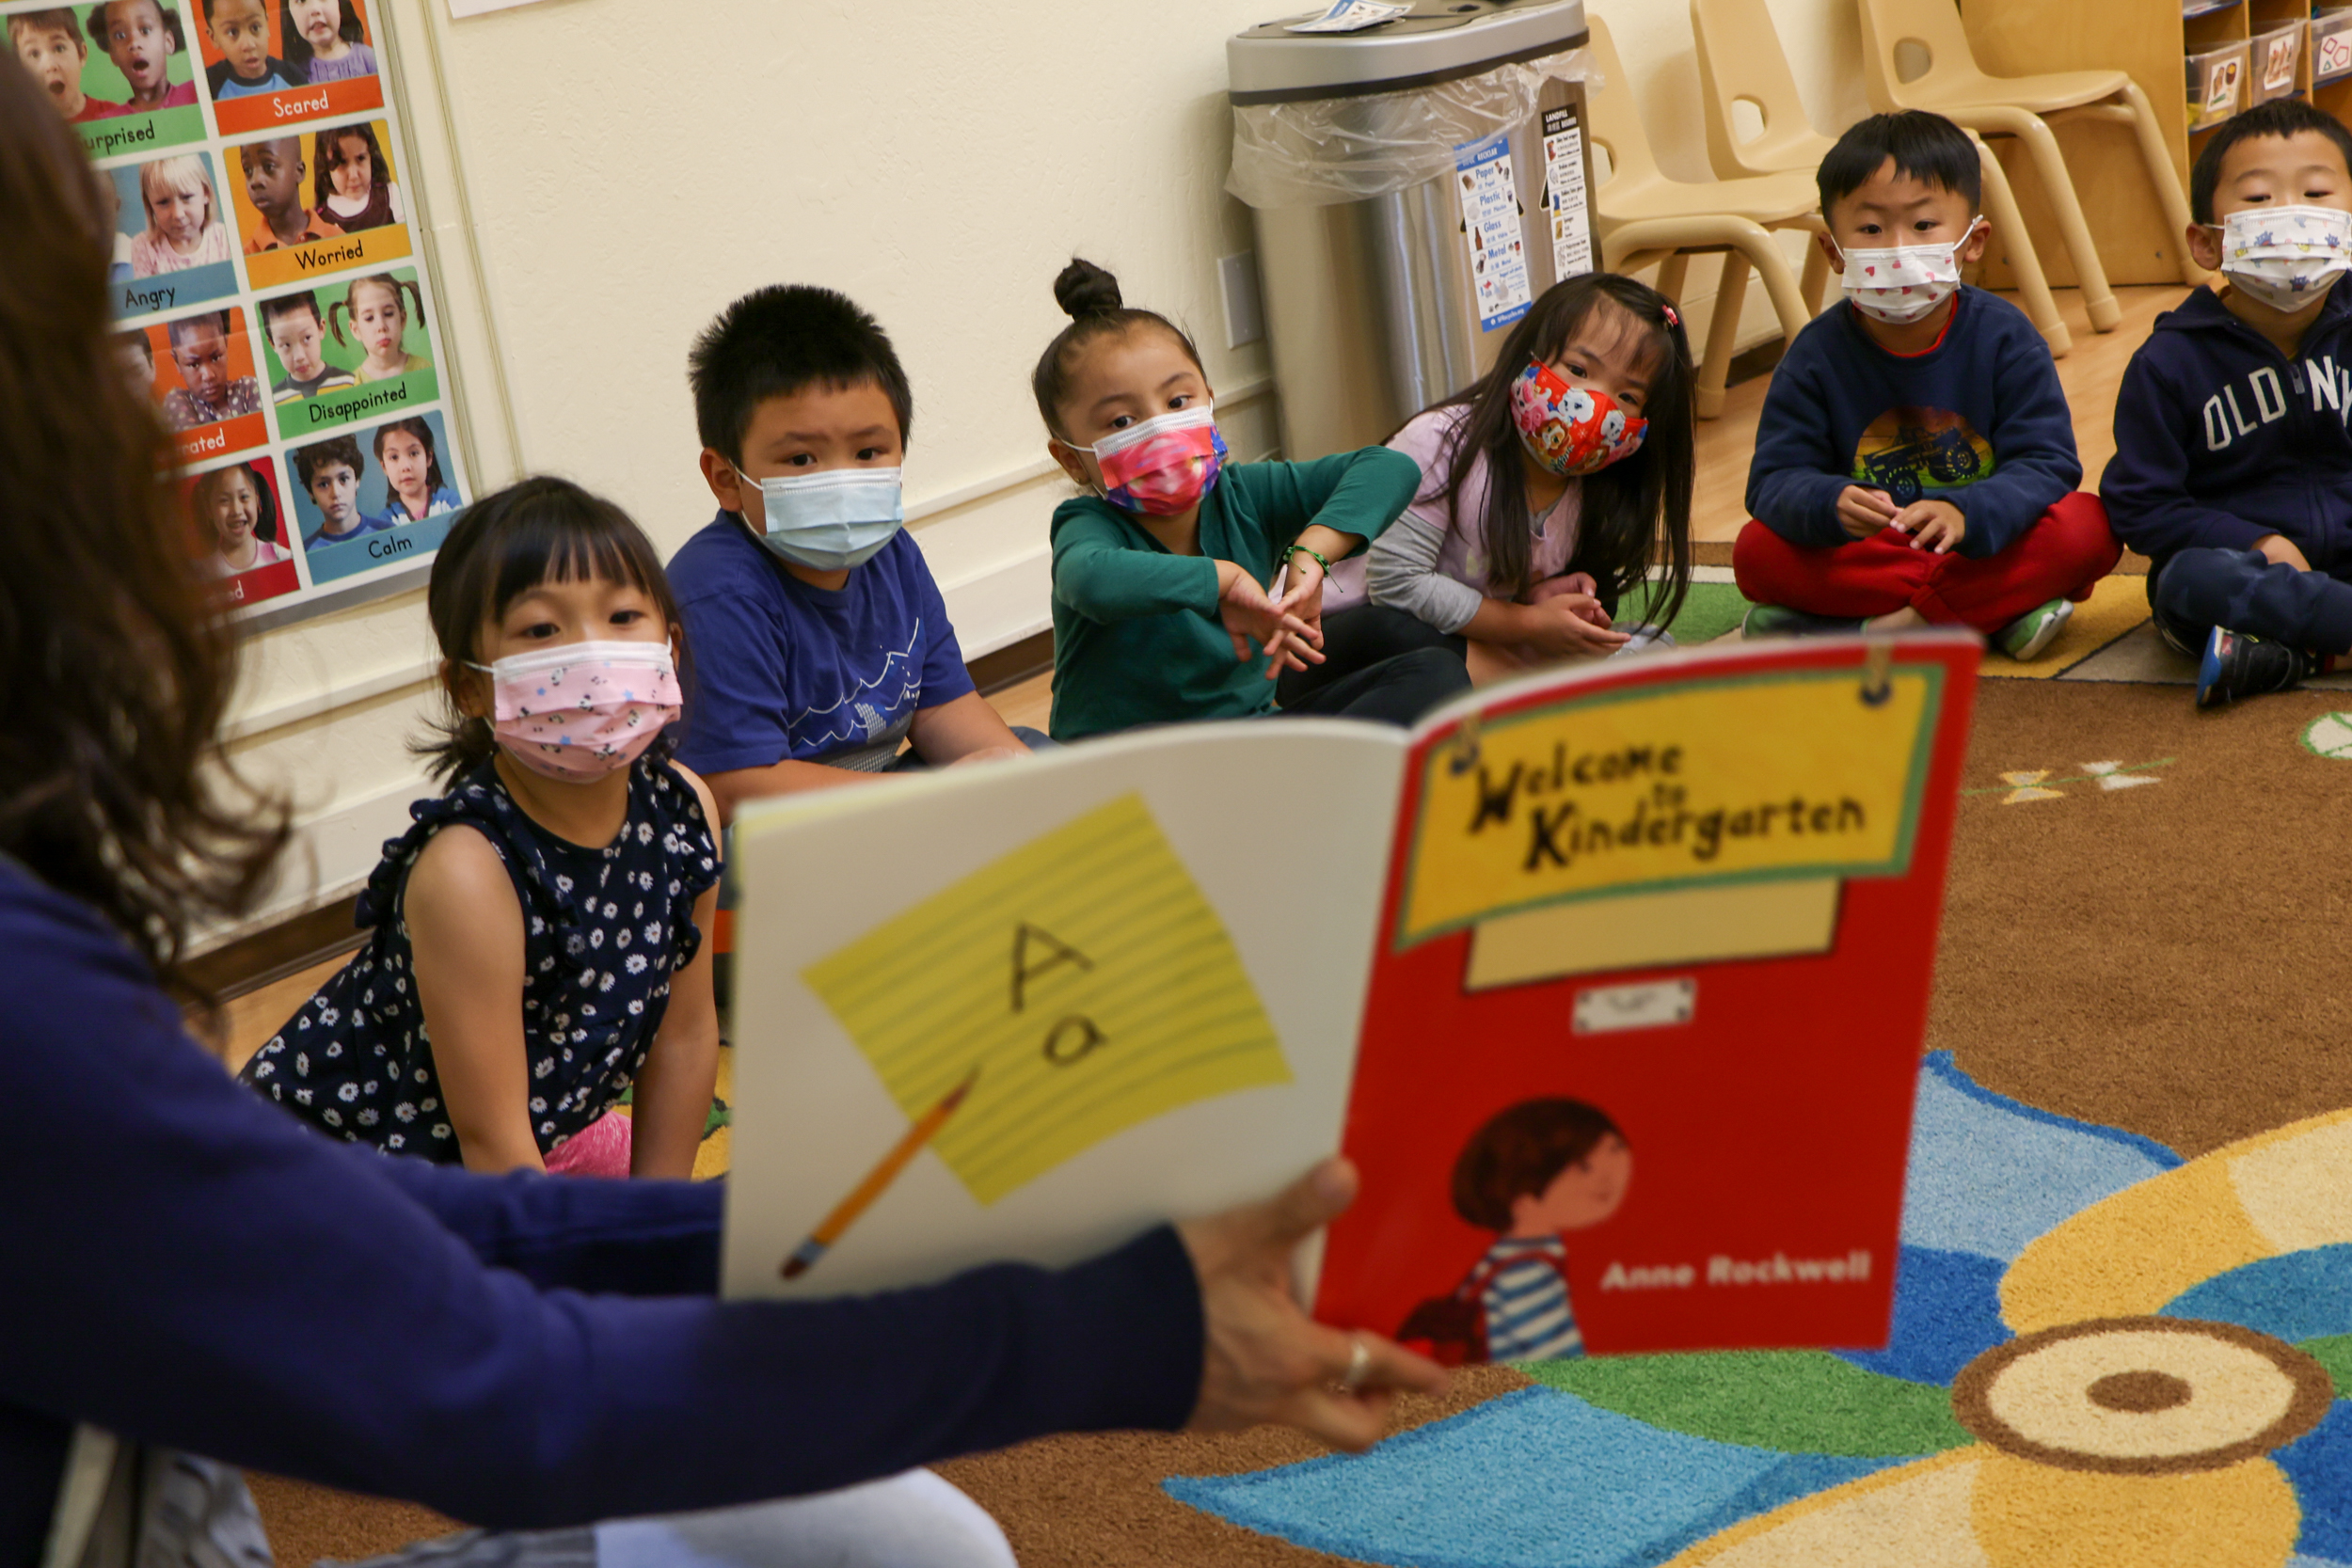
{"points": [[1633, 511], [536, 531]]}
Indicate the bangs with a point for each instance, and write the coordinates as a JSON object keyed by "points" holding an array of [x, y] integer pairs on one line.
{"points": [[543, 544], [1603, 324]]}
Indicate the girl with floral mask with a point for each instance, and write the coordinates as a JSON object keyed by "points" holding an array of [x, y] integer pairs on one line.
{"points": [[1551, 488], [1184, 583], [537, 945]]}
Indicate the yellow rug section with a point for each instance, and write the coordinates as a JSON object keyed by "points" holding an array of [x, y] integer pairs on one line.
{"points": [[2115, 606]]}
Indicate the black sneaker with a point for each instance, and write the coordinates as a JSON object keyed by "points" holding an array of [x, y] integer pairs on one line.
{"points": [[2237, 665]]}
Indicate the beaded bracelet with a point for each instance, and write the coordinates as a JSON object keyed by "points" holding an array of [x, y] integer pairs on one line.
{"points": [[1312, 555]]}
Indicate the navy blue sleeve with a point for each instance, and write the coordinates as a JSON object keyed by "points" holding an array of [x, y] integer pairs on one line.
{"points": [[2145, 488], [1799, 471], [735, 709], [2031, 431], [944, 678], [226, 1282]]}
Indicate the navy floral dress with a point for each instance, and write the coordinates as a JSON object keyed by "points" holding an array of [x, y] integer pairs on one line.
{"points": [[604, 931]]}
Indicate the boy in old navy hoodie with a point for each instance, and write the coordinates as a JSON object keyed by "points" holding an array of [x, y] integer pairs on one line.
{"points": [[2233, 468]]}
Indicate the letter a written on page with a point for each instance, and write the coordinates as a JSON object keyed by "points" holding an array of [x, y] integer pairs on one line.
{"points": [[1084, 975]]}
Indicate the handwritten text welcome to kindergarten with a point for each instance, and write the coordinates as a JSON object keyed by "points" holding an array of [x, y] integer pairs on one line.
{"points": [[1782, 775]]}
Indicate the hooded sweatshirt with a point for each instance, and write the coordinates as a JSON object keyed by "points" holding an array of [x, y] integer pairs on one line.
{"points": [[2220, 439]]}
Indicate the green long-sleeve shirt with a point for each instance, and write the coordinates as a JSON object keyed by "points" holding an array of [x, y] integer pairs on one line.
{"points": [[1136, 637]]}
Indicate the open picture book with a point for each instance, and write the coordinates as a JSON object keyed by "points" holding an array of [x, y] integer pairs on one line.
{"points": [[1611, 981]]}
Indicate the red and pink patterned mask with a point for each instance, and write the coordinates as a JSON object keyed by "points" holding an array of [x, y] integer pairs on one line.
{"points": [[1571, 430]]}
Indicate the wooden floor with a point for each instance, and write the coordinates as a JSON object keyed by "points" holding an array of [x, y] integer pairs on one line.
{"points": [[2090, 373]]}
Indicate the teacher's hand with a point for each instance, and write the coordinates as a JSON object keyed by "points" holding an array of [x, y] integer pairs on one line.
{"points": [[1266, 1360]]}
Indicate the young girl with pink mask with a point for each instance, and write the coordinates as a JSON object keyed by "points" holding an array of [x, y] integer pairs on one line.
{"points": [[537, 935], [1551, 488], [1162, 571]]}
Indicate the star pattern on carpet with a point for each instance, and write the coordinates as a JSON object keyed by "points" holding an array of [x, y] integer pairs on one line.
{"points": [[2020, 785]]}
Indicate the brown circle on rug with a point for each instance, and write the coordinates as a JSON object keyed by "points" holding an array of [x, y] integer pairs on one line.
{"points": [[2222, 1394]]}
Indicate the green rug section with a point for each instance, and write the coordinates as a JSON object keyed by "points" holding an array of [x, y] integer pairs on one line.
{"points": [[1796, 1402], [2335, 1354], [1708, 611]]}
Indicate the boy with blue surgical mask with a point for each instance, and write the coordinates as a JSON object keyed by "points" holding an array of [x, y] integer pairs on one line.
{"points": [[1915, 463], [820, 642], [2233, 468]]}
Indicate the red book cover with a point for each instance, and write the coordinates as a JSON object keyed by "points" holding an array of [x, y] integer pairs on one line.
{"points": [[1646, 1002]]}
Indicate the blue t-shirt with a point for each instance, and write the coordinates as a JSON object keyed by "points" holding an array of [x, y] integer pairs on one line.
{"points": [[782, 670]]}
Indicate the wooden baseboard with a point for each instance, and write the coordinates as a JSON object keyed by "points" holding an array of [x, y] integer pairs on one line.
{"points": [[1013, 663], [276, 951]]}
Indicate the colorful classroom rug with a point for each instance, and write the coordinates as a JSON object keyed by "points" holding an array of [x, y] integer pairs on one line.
{"points": [[2124, 1314]]}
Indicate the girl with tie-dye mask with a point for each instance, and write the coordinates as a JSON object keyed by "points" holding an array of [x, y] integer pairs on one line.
{"points": [[1165, 571], [1551, 488]]}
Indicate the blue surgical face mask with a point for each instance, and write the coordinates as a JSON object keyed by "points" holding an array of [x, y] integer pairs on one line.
{"points": [[832, 520]]}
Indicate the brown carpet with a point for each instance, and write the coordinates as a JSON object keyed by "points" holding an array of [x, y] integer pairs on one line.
{"points": [[2169, 958]]}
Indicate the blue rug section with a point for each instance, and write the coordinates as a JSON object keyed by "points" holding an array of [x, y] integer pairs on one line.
{"points": [[1989, 1174], [1535, 1478], [2297, 1296], [1947, 1312], [2320, 1465]]}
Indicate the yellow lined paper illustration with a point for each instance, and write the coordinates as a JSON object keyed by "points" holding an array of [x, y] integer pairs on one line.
{"points": [[1084, 975]]}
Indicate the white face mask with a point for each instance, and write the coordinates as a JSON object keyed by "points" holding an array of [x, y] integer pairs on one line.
{"points": [[1899, 285], [2285, 257], [831, 520]]}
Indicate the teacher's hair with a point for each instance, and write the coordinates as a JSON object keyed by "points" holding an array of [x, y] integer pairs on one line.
{"points": [[114, 787]]}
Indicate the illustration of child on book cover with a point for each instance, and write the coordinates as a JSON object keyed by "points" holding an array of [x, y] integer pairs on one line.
{"points": [[1531, 1174]]}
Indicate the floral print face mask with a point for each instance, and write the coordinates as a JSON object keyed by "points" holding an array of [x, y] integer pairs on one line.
{"points": [[581, 710], [1571, 430], [2285, 257]]}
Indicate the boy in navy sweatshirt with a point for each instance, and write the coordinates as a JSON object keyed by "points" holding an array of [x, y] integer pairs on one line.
{"points": [[1915, 461], [2233, 468]]}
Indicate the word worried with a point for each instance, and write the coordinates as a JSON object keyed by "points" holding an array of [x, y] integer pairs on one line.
{"points": [[1072, 1036]]}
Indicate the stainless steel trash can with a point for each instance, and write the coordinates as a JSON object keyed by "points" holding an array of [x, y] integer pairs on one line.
{"points": [[1415, 184]]}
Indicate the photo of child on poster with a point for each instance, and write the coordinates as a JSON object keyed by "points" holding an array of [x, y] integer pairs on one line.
{"points": [[178, 248], [297, 335], [351, 182], [213, 360], [145, 43], [385, 314], [50, 44], [273, 63], [1530, 1174], [238, 531], [406, 495], [272, 215]]}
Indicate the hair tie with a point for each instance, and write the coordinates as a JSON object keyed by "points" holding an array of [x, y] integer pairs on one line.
{"points": [[1672, 320]]}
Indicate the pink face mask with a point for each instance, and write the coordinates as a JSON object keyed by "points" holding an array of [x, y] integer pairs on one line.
{"points": [[582, 710], [1161, 466], [1571, 430]]}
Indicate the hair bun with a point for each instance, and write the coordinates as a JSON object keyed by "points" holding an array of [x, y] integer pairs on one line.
{"points": [[1082, 288]]}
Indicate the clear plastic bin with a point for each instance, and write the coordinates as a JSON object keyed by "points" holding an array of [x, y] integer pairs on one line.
{"points": [[2217, 84], [2332, 44], [2273, 58]]}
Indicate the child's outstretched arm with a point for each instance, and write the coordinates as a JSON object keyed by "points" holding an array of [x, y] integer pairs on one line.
{"points": [[2145, 488], [1797, 477], [671, 1105], [466, 932]]}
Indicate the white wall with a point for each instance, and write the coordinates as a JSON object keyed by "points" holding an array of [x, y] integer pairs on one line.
{"points": [[628, 167]]}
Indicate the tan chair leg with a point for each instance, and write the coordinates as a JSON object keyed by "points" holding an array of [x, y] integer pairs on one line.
{"points": [[2166, 178], [1671, 272], [1815, 283], [1723, 335], [2005, 119], [2033, 288]]}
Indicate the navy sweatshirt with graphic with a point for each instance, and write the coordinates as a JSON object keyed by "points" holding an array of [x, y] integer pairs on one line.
{"points": [[1978, 421], [2220, 439]]}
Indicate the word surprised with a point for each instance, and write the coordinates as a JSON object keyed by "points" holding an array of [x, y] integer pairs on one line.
{"points": [[1111, 996], [1781, 774]]}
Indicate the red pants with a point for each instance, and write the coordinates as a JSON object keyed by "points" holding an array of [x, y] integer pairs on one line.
{"points": [[2068, 549]]}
